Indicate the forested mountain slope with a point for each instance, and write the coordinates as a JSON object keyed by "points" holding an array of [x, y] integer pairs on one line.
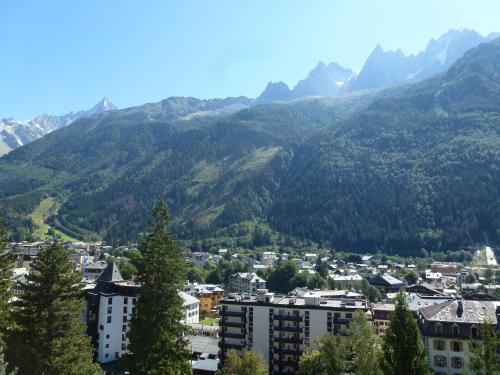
{"points": [[419, 168], [108, 171], [413, 167]]}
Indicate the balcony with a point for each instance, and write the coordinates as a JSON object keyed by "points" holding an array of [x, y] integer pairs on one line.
{"points": [[286, 362], [287, 329], [290, 340], [341, 321], [287, 351], [226, 345], [232, 335], [232, 313], [292, 318], [225, 323]]}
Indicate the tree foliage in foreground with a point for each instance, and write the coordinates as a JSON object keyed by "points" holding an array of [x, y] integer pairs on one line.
{"points": [[404, 352], [248, 363], [6, 263], [49, 337], [157, 344], [483, 354]]}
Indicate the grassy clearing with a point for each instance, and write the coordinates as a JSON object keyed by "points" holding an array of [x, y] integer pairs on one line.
{"points": [[209, 320], [45, 208]]}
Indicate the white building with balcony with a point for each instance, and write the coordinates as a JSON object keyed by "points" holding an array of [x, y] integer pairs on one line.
{"points": [[280, 328]]}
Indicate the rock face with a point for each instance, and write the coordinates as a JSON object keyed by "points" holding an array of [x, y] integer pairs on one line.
{"points": [[15, 133], [381, 69]]}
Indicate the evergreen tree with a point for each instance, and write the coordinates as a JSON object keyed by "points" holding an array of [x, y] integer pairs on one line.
{"points": [[49, 338], [6, 263], [404, 353], [157, 336], [483, 354], [329, 358], [249, 363], [365, 346], [4, 366]]}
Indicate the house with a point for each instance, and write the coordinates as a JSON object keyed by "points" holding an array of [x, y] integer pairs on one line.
{"points": [[385, 283], [367, 259], [246, 282], [381, 313], [282, 327], [208, 294], [447, 329]]}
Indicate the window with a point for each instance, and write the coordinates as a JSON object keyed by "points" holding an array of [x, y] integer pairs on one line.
{"points": [[110, 310], [125, 310], [348, 316], [456, 362], [455, 330], [101, 327], [456, 346], [440, 361], [439, 345], [134, 301], [108, 320], [106, 355], [473, 331], [110, 300], [107, 345], [125, 301], [124, 346], [439, 328], [124, 337], [107, 336], [124, 319], [124, 328]]}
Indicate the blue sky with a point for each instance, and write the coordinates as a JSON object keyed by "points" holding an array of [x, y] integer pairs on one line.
{"points": [[61, 55]]}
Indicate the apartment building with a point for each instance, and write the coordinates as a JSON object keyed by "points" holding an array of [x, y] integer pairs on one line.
{"points": [[110, 305], [279, 327], [381, 316], [447, 329], [246, 282]]}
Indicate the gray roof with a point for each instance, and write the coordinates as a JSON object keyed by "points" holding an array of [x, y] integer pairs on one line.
{"points": [[111, 273], [472, 312]]}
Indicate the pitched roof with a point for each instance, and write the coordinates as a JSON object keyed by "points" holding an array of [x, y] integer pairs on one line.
{"points": [[110, 273], [471, 312]]}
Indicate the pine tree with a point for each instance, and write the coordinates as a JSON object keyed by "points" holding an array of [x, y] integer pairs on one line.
{"points": [[483, 358], [157, 336], [404, 353], [365, 346], [50, 338], [6, 263]]}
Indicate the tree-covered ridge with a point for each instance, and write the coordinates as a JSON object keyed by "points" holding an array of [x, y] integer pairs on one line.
{"points": [[416, 169], [410, 168]]}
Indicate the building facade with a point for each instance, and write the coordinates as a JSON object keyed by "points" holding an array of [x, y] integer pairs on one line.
{"points": [[109, 309], [246, 282], [448, 328], [280, 328], [381, 313]]}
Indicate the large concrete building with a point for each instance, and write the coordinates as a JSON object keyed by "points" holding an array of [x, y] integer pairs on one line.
{"points": [[448, 328], [109, 309], [280, 328], [246, 282]]}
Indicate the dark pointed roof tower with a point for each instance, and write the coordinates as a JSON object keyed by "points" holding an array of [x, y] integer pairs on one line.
{"points": [[110, 273]]}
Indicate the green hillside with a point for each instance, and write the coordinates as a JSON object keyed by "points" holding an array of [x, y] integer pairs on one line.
{"points": [[414, 167]]}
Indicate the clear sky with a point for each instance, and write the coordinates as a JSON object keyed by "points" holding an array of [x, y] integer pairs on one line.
{"points": [[62, 55]]}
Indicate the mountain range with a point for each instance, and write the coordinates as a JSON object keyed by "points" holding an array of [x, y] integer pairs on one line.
{"points": [[381, 69], [411, 167], [15, 133]]}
